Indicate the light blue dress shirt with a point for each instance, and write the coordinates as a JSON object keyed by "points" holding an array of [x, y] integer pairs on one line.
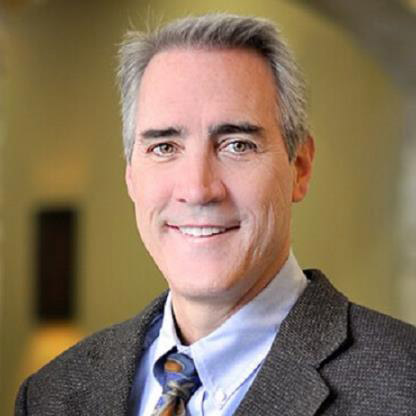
{"points": [[228, 359]]}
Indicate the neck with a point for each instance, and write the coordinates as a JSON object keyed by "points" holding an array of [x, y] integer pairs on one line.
{"points": [[192, 323], [196, 318]]}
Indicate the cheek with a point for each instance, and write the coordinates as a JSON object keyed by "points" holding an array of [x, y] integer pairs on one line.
{"points": [[270, 202], [152, 192], [270, 191], [149, 203]]}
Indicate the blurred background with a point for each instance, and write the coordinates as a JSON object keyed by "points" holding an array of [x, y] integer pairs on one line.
{"points": [[70, 258]]}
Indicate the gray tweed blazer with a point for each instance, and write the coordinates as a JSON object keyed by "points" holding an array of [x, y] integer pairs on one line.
{"points": [[330, 357]]}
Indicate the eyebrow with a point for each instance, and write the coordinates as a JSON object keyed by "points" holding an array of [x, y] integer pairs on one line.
{"points": [[231, 128], [213, 131], [161, 133]]}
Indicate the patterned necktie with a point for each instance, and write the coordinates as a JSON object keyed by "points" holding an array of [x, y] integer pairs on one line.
{"points": [[181, 381]]}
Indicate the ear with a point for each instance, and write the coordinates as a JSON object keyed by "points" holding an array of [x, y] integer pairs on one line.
{"points": [[128, 176], [303, 169]]}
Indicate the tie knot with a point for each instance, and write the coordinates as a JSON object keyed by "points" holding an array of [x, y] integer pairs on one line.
{"points": [[180, 381], [181, 378]]}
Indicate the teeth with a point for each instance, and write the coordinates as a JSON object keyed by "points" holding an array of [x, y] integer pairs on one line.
{"points": [[201, 231]]}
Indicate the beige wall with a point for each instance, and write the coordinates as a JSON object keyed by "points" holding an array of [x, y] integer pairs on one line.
{"points": [[63, 145]]}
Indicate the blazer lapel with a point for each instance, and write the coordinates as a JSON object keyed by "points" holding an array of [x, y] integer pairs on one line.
{"points": [[289, 382], [113, 362]]}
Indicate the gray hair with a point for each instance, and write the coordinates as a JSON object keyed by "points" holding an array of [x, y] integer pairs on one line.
{"points": [[216, 31]]}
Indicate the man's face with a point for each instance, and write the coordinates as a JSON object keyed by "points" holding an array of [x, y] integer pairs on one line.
{"points": [[210, 177]]}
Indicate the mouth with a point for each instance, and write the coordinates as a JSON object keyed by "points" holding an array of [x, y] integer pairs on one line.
{"points": [[203, 231]]}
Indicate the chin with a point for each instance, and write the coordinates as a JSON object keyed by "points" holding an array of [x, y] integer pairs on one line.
{"points": [[214, 284]]}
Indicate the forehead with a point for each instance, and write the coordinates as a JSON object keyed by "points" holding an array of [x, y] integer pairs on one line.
{"points": [[208, 81]]}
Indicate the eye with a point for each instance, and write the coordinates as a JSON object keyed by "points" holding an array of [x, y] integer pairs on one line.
{"points": [[163, 149], [240, 146]]}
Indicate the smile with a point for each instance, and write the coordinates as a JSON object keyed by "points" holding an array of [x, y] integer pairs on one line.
{"points": [[202, 231]]}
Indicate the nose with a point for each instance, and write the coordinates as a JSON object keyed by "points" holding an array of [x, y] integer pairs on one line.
{"points": [[199, 181]]}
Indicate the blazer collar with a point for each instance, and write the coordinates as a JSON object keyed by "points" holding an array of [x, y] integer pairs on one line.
{"points": [[289, 382]]}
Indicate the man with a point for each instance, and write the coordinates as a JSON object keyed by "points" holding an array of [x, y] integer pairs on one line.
{"points": [[217, 151]]}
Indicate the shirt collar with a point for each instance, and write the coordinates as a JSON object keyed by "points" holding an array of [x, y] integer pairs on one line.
{"points": [[242, 342]]}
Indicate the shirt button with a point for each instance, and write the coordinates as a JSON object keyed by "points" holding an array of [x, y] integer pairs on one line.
{"points": [[220, 397]]}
